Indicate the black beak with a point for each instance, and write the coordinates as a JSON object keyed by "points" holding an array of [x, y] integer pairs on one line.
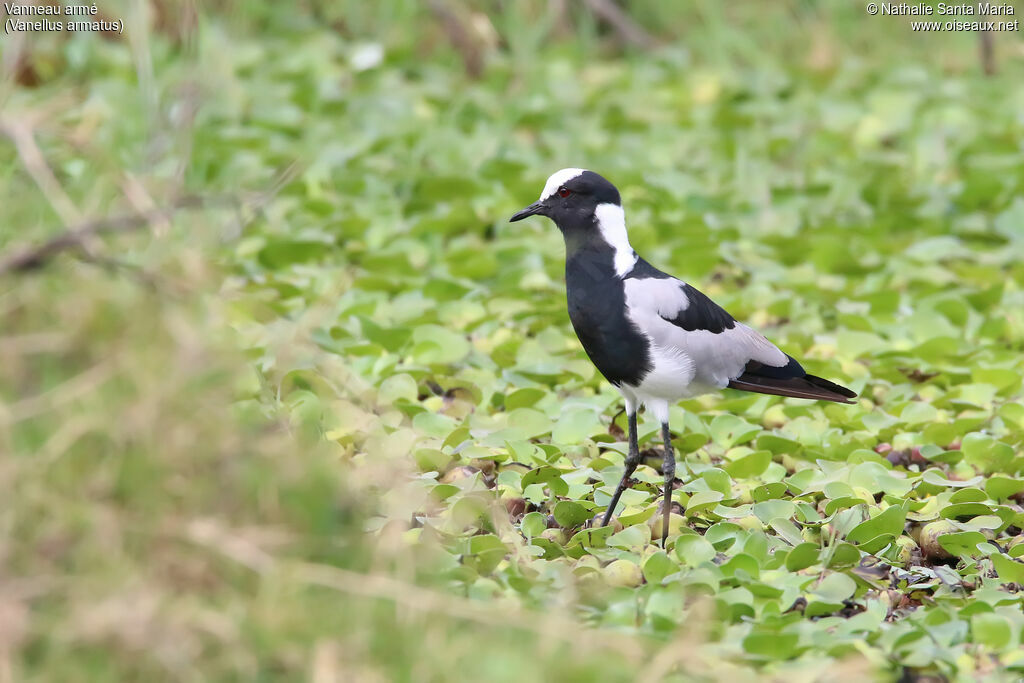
{"points": [[535, 209]]}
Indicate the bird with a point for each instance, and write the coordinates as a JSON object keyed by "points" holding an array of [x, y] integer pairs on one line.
{"points": [[656, 338]]}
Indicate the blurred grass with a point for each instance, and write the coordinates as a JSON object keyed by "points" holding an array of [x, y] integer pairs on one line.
{"points": [[156, 529], [170, 514]]}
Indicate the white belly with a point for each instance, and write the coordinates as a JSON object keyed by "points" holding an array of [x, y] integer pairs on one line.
{"points": [[673, 376]]}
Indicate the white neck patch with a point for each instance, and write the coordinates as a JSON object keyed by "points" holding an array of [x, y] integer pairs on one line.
{"points": [[557, 179], [611, 221]]}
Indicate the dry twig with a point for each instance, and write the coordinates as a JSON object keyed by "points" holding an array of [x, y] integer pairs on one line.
{"points": [[20, 133], [78, 386], [35, 257], [75, 237], [987, 52], [629, 31], [460, 37]]}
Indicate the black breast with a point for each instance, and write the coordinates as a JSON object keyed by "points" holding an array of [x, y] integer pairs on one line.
{"points": [[597, 309]]}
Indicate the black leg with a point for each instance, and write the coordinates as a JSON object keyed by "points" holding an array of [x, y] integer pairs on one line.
{"points": [[632, 460], [669, 468]]}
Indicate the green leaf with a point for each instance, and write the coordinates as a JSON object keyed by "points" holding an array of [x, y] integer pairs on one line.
{"points": [[436, 344], [592, 538], [769, 491], [778, 444], [889, 522], [853, 343], [397, 387], [1009, 571], [834, 588], [533, 524], [575, 425], [728, 430], [630, 537], [548, 476], [965, 510], [775, 646], [523, 398], [802, 556], [693, 550], [991, 630], [876, 544], [844, 555], [529, 422], [431, 459], [665, 606], [1001, 488], [658, 566], [486, 552], [774, 509], [569, 514], [750, 465], [703, 500], [931, 476], [985, 453], [282, 253], [787, 530], [962, 543], [434, 424], [718, 480], [724, 535], [741, 562]]}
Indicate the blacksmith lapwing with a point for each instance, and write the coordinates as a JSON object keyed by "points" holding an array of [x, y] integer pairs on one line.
{"points": [[656, 338]]}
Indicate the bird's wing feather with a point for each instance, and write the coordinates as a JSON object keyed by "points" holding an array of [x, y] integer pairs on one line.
{"points": [[678, 318], [790, 380], [808, 386], [709, 346]]}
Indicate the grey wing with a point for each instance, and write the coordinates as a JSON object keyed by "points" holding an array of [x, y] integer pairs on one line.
{"points": [[680, 320]]}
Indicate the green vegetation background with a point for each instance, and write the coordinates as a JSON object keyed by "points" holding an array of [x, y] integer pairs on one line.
{"points": [[322, 415]]}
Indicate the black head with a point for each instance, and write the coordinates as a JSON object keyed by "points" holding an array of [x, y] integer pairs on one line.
{"points": [[570, 198]]}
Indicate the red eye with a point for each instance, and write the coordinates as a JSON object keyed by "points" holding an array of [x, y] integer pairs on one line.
{"points": [[562, 192]]}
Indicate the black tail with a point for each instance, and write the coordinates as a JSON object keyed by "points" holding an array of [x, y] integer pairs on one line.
{"points": [[763, 379]]}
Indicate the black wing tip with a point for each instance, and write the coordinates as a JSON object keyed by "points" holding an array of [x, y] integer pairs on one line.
{"points": [[809, 387], [831, 386], [792, 369]]}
